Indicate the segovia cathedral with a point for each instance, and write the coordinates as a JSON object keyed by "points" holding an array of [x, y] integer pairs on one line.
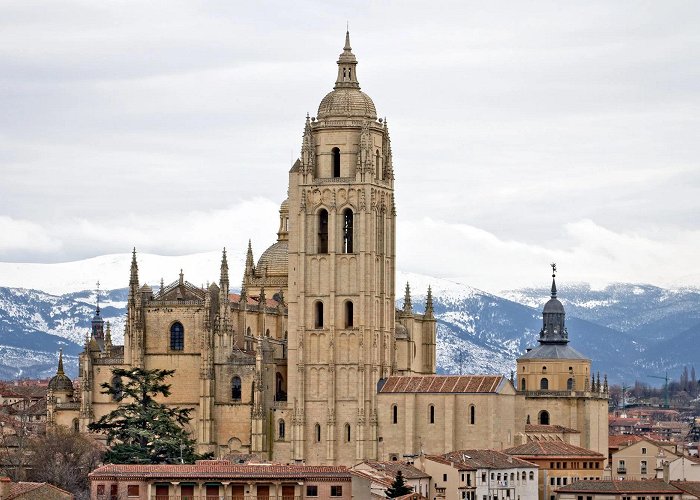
{"points": [[312, 362]]}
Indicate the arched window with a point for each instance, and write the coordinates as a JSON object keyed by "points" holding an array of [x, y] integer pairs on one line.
{"points": [[523, 385], [280, 388], [117, 387], [431, 414], [532, 476], [378, 165], [177, 337], [267, 332], [336, 162], [570, 384], [318, 313], [543, 418], [322, 231], [317, 433], [347, 433], [349, 313], [544, 384], [472, 414], [236, 388], [347, 230], [280, 429], [395, 414], [76, 425]]}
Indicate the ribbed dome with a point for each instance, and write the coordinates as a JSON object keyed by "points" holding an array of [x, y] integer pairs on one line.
{"points": [[401, 331], [61, 382], [275, 260], [346, 102]]}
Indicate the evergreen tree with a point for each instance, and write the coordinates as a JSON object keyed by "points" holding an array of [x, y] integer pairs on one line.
{"points": [[398, 487], [142, 430]]}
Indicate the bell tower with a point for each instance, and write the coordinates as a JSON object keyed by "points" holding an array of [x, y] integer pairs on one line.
{"points": [[341, 274]]}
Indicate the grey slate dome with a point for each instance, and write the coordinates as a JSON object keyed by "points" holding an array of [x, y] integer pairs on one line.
{"points": [[60, 382], [553, 306], [275, 260]]}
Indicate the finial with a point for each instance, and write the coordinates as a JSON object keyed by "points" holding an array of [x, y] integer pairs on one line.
{"points": [[162, 285], [407, 305], [182, 277], [60, 363], [262, 299], [97, 293], [347, 38], [244, 292], [554, 284], [429, 303], [134, 276], [249, 258], [605, 383]]}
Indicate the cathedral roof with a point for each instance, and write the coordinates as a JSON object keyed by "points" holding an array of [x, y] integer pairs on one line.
{"points": [[60, 382], [346, 99], [551, 449], [553, 351], [275, 260], [443, 384]]}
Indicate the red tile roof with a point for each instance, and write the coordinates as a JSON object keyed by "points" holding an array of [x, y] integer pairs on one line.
{"points": [[555, 429], [623, 440], [692, 487], [485, 459], [393, 467], [619, 487], [221, 469], [443, 384], [543, 449], [252, 301]]}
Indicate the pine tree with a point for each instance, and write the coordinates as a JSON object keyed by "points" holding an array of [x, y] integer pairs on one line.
{"points": [[398, 487], [142, 430]]}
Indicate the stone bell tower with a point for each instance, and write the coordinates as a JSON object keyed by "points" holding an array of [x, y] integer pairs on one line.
{"points": [[341, 274]]}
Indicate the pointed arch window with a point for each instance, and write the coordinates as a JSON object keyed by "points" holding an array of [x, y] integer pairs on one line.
{"points": [[349, 313], [236, 388], [177, 337], [431, 414], [318, 313], [347, 230], [544, 384], [280, 429], [378, 165], [323, 231], [336, 162], [317, 433]]}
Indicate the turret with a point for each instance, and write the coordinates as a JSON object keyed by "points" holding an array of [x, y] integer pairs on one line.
{"points": [[429, 303], [133, 277], [407, 305]]}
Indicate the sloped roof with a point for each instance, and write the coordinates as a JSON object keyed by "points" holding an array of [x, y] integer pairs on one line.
{"points": [[443, 384], [623, 440], [554, 429], [27, 490], [207, 469], [551, 449], [553, 351], [252, 301], [692, 487], [393, 467], [619, 487], [485, 459]]}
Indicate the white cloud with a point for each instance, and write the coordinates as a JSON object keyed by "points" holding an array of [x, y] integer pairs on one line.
{"points": [[25, 236]]}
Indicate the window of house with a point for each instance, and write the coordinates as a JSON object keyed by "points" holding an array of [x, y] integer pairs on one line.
{"points": [[132, 490], [644, 451], [564, 481], [336, 490], [498, 476], [444, 477], [570, 384], [544, 384], [322, 231], [236, 388], [347, 230], [100, 489], [311, 490], [532, 475], [597, 465], [336, 162], [177, 337], [431, 414], [643, 466], [318, 309], [512, 476], [523, 386], [483, 477], [349, 314]]}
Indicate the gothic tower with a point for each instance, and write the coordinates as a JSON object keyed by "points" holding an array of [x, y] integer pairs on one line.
{"points": [[341, 274]]}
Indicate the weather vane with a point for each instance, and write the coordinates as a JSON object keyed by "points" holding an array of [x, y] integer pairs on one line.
{"points": [[97, 292], [554, 268]]}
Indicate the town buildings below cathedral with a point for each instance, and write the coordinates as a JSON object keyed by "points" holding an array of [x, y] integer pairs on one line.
{"points": [[312, 362]]}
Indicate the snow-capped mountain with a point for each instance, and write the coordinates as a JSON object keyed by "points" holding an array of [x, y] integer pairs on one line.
{"points": [[629, 331]]}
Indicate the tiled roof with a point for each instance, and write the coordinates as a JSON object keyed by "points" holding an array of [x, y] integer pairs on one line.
{"points": [[26, 490], [692, 487], [550, 429], [485, 459], [252, 301], [221, 469], [619, 487], [393, 467], [443, 384], [622, 440], [551, 449], [374, 476]]}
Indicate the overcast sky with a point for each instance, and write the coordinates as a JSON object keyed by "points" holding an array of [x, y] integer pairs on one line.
{"points": [[523, 132]]}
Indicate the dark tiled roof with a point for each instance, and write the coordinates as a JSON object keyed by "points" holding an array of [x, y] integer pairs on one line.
{"points": [[443, 384], [623, 440], [551, 449], [485, 459], [553, 351], [392, 468], [619, 487], [221, 469], [692, 487], [555, 429]]}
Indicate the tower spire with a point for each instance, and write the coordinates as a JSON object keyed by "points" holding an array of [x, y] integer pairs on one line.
{"points": [[249, 259], [347, 63], [554, 284], [407, 305], [97, 293], [60, 371], [223, 279], [134, 275], [429, 303]]}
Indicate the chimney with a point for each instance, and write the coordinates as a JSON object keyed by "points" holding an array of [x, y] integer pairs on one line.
{"points": [[5, 484]]}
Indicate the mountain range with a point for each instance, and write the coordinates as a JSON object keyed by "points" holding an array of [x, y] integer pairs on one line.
{"points": [[630, 331]]}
